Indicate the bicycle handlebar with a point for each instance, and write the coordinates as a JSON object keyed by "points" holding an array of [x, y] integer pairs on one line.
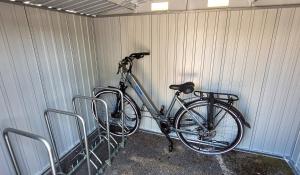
{"points": [[139, 55], [124, 62]]}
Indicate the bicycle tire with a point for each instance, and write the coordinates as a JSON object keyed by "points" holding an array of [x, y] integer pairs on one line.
{"points": [[189, 142], [113, 128]]}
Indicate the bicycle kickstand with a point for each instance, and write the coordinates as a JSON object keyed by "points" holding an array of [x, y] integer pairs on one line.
{"points": [[170, 142]]}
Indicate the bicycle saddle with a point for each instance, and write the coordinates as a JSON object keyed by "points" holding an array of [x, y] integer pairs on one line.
{"points": [[186, 88]]}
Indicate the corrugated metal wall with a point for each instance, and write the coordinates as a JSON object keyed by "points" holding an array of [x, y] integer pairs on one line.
{"points": [[46, 58], [252, 53], [295, 159]]}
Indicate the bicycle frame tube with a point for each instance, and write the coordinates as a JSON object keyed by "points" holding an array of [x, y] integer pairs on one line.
{"points": [[155, 113], [135, 84], [171, 105], [189, 112]]}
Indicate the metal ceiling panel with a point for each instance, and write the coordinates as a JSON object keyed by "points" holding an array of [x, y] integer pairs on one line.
{"points": [[99, 9], [105, 10], [93, 6], [82, 7], [86, 4], [62, 4], [96, 8]]}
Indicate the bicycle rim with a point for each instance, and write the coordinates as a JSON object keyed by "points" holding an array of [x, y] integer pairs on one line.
{"points": [[227, 133], [131, 113]]}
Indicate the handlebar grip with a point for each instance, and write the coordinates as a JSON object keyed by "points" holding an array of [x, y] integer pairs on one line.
{"points": [[139, 55]]}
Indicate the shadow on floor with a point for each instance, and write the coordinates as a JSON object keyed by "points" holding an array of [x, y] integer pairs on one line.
{"points": [[147, 154]]}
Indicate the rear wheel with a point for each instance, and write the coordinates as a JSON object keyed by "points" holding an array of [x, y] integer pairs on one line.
{"points": [[226, 133], [131, 113]]}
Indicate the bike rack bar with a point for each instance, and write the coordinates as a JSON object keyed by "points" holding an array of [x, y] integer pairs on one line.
{"points": [[122, 107], [79, 119], [29, 135], [78, 97]]}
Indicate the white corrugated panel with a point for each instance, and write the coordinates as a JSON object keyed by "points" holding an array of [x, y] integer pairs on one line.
{"points": [[252, 53], [295, 158], [46, 58]]}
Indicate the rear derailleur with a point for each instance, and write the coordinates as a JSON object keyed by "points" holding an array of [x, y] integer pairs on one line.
{"points": [[206, 135]]}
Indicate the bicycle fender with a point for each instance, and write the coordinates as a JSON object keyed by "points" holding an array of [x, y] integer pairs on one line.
{"points": [[240, 116]]}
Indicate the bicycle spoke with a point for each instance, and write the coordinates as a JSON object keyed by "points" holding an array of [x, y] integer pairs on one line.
{"points": [[187, 132], [188, 122], [196, 120], [204, 119], [128, 118]]}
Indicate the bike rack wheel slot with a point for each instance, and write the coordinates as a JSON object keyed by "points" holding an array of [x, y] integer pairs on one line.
{"points": [[122, 107], [102, 134], [84, 143]]}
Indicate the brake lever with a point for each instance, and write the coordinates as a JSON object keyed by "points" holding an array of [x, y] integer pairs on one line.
{"points": [[125, 61]]}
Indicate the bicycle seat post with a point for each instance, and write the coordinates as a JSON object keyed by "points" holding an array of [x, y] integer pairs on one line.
{"points": [[210, 110]]}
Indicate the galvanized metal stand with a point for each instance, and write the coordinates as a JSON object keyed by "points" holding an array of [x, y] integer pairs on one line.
{"points": [[96, 118], [112, 144], [29, 135], [78, 119], [122, 107], [107, 136]]}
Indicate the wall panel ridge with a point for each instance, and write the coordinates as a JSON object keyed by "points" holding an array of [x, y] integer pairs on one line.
{"points": [[252, 53], [46, 58]]}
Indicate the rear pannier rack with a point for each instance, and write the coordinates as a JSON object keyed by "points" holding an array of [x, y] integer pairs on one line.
{"points": [[229, 98]]}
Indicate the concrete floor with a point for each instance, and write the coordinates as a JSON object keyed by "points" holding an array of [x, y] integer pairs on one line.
{"points": [[147, 154]]}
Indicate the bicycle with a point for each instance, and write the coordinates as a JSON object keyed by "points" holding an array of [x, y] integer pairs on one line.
{"points": [[208, 124]]}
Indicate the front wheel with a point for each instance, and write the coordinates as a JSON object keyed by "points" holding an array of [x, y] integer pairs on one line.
{"points": [[131, 112], [192, 128]]}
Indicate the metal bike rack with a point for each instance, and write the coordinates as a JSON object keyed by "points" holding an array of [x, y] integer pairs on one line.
{"points": [[96, 118], [29, 135], [78, 119], [122, 107], [108, 136]]}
